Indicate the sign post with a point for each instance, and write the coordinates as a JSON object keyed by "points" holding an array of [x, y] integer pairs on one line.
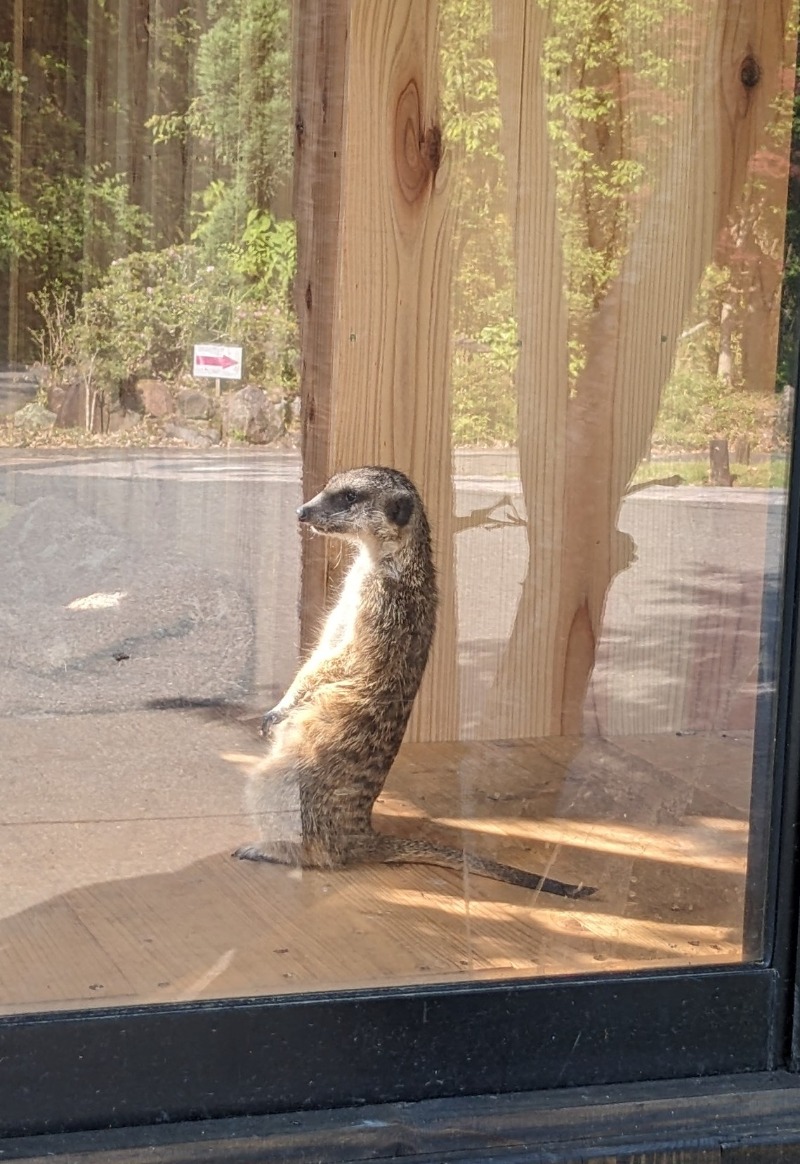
{"points": [[217, 362]]}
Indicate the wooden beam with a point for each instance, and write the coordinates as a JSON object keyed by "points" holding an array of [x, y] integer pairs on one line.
{"points": [[18, 57], [376, 355], [320, 59], [741, 1119]]}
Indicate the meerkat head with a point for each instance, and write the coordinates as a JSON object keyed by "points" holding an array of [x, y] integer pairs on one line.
{"points": [[368, 505]]}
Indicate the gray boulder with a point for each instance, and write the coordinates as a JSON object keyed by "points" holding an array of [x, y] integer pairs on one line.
{"points": [[250, 415], [193, 404]]}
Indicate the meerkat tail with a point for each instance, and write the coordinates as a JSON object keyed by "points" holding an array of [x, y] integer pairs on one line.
{"points": [[395, 851]]}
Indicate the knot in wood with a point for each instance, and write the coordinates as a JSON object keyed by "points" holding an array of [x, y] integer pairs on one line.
{"points": [[750, 72], [431, 146], [417, 151]]}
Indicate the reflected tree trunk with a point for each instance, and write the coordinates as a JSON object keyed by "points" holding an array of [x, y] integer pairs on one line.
{"points": [[16, 173], [580, 444]]}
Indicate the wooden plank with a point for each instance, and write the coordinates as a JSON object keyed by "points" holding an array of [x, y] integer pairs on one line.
{"points": [[716, 765], [48, 958], [779, 1151], [385, 302], [734, 1120], [320, 56], [155, 909]]}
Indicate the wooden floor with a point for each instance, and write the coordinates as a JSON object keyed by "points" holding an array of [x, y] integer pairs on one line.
{"points": [[659, 823]]}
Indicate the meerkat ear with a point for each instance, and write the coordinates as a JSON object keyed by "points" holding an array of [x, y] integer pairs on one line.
{"points": [[399, 508]]}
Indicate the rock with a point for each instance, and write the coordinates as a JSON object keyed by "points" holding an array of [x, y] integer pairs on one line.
{"points": [[155, 398], [250, 415], [16, 390], [193, 404], [34, 417], [197, 438], [70, 409], [56, 395], [68, 403], [121, 421]]}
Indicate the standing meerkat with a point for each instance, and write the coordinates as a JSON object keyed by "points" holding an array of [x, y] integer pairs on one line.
{"points": [[335, 734]]}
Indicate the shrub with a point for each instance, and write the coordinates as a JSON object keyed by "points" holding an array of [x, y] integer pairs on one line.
{"points": [[145, 314], [698, 407]]}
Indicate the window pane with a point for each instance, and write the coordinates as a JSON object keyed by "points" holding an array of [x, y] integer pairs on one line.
{"points": [[530, 255]]}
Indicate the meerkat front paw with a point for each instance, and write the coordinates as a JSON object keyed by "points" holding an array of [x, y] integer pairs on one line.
{"points": [[256, 852], [270, 720], [275, 852]]}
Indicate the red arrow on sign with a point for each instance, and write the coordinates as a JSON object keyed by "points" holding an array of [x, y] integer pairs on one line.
{"points": [[216, 361]]}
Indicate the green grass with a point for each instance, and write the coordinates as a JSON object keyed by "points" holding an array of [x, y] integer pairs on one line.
{"points": [[767, 474]]}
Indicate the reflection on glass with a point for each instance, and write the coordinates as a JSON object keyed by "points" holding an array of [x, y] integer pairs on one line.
{"points": [[542, 271]]}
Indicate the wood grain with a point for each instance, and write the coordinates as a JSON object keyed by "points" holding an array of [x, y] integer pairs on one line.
{"points": [[749, 1119], [580, 447], [150, 906], [386, 301], [320, 63]]}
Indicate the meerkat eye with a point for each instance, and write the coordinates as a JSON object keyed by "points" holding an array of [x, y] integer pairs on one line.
{"points": [[350, 496], [399, 509]]}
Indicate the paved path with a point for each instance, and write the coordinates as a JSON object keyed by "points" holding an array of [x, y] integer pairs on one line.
{"points": [[201, 525]]}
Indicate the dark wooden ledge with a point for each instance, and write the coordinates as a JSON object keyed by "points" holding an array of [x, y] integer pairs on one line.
{"points": [[745, 1119]]}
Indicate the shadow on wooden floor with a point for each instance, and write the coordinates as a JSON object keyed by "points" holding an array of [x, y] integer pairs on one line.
{"points": [[659, 823]]}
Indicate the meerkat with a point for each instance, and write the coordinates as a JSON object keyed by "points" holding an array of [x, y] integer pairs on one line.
{"points": [[336, 732]]}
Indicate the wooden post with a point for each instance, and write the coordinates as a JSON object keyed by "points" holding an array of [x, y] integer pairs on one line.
{"points": [[580, 446], [381, 292], [16, 174], [320, 59], [720, 463]]}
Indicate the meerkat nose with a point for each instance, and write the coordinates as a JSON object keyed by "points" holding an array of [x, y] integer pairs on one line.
{"points": [[302, 513]]}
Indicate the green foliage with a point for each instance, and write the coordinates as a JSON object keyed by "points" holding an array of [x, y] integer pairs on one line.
{"points": [[142, 317], [601, 135], [696, 409], [484, 408], [9, 79], [41, 188], [240, 115], [267, 252], [56, 307], [109, 295], [145, 314], [222, 73], [485, 344], [46, 228], [48, 199], [768, 473]]}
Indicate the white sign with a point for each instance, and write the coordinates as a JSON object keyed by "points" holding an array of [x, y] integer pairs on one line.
{"points": [[217, 361]]}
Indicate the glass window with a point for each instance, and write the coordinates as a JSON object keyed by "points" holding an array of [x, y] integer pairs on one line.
{"points": [[532, 256]]}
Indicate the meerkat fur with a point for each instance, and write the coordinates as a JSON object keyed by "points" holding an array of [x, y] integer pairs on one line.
{"points": [[336, 732]]}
